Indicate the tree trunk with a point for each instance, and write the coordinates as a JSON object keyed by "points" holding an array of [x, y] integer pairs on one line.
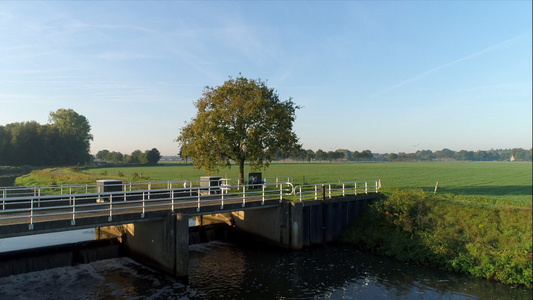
{"points": [[241, 171]]}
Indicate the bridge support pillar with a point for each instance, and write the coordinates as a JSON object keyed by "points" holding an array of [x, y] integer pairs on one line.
{"points": [[181, 266], [161, 244]]}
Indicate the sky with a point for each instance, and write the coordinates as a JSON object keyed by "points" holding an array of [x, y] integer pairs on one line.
{"points": [[388, 76]]}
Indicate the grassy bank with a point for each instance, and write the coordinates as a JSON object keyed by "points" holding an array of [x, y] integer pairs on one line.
{"points": [[487, 241], [58, 176]]}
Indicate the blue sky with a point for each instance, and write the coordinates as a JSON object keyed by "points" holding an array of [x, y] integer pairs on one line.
{"points": [[378, 75]]}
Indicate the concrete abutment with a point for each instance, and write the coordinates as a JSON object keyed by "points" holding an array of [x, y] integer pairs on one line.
{"points": [[161, 244], [164, 244], [296, 225]]}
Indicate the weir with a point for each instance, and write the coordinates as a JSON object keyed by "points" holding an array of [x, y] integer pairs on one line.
{"points": [[164, 244], [160, 238]]}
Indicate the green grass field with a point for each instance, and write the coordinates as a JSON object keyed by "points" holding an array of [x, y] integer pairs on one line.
{"points": [[500, 182]]}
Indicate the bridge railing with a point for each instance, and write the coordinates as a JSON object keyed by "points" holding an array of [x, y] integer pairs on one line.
{"points": [[35, 191], [329, 190], [29, 210]]}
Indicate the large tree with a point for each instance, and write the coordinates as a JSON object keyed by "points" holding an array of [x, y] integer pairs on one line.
{"points": [[242, 121], [74, 130]]}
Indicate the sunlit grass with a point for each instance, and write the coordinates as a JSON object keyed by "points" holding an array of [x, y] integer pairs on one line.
{"points": [[491, 182]]}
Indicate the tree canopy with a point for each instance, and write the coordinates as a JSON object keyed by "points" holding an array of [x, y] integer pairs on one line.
{"points": [[241, 121], [64, 141]]}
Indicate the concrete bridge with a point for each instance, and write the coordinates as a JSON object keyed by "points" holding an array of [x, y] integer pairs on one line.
{"points": [[152, 219]]}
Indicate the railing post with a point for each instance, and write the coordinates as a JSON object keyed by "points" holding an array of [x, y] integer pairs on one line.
{"points": [[222, 199], [73, 222], [263, 195], [142, 214], [30, 227], [366, 187], [198, 209], [316, 192], [355, 188], [377, 188], [110, 208], [243, 195], [280, 193], [329, 191], [300, 193], [323, 192], [343, 190], [172, 197]]}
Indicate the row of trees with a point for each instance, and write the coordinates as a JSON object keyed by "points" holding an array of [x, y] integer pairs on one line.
{"points": [[63, 141], [515, 154], [148, 157], [321, 155]]}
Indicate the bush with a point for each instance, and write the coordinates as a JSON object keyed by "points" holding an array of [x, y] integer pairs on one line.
{"points": [[488, 241]]}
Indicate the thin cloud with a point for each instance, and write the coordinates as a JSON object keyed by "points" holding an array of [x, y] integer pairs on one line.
{"points": [[457, 61]]}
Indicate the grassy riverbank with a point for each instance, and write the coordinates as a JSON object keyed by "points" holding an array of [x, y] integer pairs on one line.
{"points": [[487, 241]]}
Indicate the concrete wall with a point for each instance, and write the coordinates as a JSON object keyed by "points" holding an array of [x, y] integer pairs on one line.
{"points": [[161, 244], [43, 258], [296, 225]]}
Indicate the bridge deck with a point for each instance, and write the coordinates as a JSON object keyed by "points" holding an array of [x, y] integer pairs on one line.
{"points": [[33, 214], [26, 216]]}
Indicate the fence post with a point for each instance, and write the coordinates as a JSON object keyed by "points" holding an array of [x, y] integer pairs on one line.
{"points": [[172, 199], [343, 190], [142, 214], [263, 195], [366, 187], [73, 222], [222, 198], [110, 208], [243, 195], [30, 227], [323, 192], [198, 209], [281, 192]]}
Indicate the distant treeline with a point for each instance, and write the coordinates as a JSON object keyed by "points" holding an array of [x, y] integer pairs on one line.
{"points": [[148, 157], [63, 141], [515, 154]]}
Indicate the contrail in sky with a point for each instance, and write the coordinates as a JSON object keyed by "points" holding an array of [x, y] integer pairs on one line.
{"points": [[436, 69]]}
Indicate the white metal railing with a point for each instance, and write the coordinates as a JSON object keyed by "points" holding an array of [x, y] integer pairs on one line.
{"points": [[34, 191], [31, 209], [329, 190]]}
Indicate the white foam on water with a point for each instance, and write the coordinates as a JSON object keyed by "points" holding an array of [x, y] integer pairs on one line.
{"points": [[117, 278]]}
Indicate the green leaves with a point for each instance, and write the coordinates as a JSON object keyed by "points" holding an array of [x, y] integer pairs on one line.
{"points": [[490, 242], [242, 121]]}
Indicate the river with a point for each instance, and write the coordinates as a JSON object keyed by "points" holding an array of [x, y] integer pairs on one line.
{"points": [[221, 270]]}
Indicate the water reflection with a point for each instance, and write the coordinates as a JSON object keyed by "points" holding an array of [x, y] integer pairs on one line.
{"points": [[232, 271]]}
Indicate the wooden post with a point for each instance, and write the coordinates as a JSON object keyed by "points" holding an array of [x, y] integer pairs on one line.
{"points": [[436, 187]]}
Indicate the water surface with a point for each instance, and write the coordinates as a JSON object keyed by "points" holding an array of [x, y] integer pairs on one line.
{"points": [[232, 271]]}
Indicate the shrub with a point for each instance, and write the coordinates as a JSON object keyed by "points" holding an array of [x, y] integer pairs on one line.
{"points": [[488, 241]]}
